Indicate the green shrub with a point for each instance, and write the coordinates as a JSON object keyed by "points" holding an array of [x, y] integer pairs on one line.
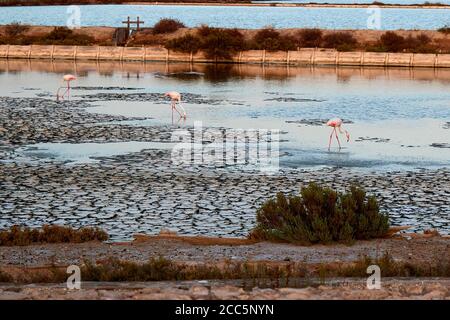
{"points": [[22, 236], [320, 215], [167, 26], [310, 38]]}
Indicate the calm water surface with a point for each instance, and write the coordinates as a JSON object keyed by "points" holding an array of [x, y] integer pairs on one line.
{"points": [[394, 117], [398, 118], [228, 16]]}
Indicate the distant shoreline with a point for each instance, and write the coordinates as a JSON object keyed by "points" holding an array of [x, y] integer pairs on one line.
{"points": [[234, 3]]}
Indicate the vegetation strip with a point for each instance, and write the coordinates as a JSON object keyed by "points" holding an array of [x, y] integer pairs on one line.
{"points": [[278, 274], [23, 236]]}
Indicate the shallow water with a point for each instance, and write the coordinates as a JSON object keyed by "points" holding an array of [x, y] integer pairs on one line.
{"points": [[231, 16], [397, 118]]}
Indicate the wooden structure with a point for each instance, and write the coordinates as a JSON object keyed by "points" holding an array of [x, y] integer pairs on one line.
{"points": [[129, 22]]}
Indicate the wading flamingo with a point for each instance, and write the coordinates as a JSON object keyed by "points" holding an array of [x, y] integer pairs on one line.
{"points": [[66, 78], [175, 97], [336, 123]]}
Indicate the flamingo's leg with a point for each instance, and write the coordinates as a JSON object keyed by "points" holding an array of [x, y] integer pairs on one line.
{"points": [[68, 90], [175, 107], [337, 138], [331, 137], [171, 107], [184, 111]]}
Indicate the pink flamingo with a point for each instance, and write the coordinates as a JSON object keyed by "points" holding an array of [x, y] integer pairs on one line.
{"points": [[175, 97], [336, 123], [66, 78]]}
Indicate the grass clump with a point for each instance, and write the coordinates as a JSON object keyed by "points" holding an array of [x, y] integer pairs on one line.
{"points": [[162, 269], [167, 26], [320, 215], [22, 236]]}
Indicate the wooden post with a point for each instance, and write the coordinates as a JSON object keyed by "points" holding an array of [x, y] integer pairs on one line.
{"points": [[129, 22]]}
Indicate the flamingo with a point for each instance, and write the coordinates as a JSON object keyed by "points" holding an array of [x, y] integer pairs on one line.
{"points": [[336, 123], [66, 78], [175, 97]]}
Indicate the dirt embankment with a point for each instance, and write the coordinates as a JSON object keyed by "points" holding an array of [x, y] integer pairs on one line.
{"points": [[200, 250], [439, 41], [33, 34], [195, 251]]}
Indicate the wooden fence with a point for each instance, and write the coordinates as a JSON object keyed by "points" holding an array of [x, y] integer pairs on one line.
{"points": [[301, 57]]}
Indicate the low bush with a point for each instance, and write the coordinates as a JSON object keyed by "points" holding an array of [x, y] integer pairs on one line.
{"points": [[320, 215], [272, 40], [444, 29], [15, 29], [64, 35], [341, 41], [222, 43], [22, 236], [217, 43], [4, 277], [389, 268], [310, 38], [186, 43], [392, 42], [167, 26]]}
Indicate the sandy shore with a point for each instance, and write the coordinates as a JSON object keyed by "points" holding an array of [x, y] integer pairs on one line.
{"points": [[421, 250], [415, 251]]}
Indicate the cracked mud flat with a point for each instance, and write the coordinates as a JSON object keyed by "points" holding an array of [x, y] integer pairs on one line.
{"points": [[143, 192]]}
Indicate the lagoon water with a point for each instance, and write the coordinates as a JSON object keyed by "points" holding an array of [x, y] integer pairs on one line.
{"points": [[398, 118], [404, 2], [399, 121], [231, 16]]}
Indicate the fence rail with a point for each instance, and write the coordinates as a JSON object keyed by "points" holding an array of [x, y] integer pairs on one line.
{"points": [[301, 57]]}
